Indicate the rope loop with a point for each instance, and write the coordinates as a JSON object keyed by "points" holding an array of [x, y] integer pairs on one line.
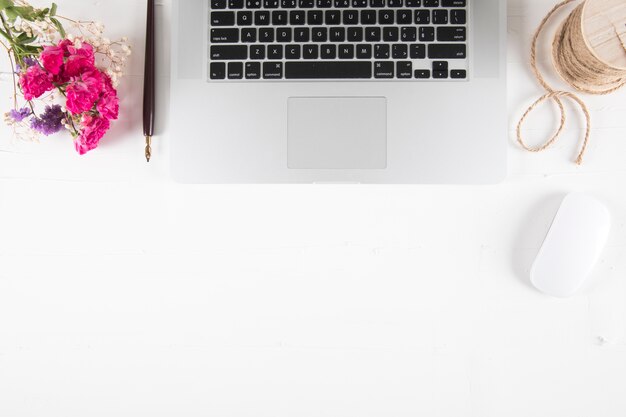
{"points": [[579, 67]]}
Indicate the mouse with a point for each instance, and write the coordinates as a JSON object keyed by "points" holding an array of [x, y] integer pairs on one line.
{"points": [[572, 246]]}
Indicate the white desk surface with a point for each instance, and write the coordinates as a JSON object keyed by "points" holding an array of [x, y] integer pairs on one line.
{"points": [[125, 294]]}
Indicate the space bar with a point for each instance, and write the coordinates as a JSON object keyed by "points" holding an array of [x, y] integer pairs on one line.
{"points": [[328, 69]]}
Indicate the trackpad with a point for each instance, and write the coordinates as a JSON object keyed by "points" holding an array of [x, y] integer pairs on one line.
{"points": [[337, 133]]}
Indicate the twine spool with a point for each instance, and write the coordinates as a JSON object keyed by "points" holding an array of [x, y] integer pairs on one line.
{"points": [[589, 53]]}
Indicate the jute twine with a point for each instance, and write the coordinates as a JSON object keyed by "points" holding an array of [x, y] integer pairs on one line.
{"points": [[579, 67]]}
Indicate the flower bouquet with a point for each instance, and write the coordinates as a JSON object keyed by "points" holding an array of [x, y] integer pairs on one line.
{"points": [[63, 79]]}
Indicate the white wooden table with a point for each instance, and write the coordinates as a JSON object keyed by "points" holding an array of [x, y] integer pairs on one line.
{"points": [[125, 294]]}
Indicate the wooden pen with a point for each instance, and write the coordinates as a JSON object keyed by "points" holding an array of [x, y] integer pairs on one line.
{"points": [[149, 82]]}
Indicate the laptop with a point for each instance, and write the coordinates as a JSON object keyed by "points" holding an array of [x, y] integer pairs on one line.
{"points": [[339, 91]]}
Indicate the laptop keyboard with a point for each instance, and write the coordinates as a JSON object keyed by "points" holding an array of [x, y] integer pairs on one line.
{"points": [[338, 40]]}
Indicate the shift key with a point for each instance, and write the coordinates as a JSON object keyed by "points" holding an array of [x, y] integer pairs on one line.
{"points": [[223, 53], [447, 51]]}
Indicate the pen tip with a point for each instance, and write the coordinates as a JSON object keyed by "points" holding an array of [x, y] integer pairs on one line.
{"points": [[148, 148]]}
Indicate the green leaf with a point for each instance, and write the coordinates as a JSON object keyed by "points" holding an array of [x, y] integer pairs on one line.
{"points": [[53, 10], [24, 39], [25, 12], [11, 14], [59, 26], [5, 3]]}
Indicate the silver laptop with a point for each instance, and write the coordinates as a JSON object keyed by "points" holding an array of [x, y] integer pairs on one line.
{"points": [[338, 91]]}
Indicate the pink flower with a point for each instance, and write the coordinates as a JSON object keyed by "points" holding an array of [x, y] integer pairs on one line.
{"points": [[92, 129], [64, 44], [35, 82], [52, 59], [79, 60], [83, 91], [109, 104]]}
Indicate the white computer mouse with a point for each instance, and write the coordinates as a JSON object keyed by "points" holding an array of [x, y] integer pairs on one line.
{"points": [[572, 247]]}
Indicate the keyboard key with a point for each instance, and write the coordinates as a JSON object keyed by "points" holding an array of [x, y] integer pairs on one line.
{"points": [[266, 35], [447, 51], [364, 51], [328, 70], [218, 70], [272, 70], [422, 17], [253, 70], [458, 74], [253, 4], [279, 17], [306, 4], [404, 69], [399, 51], [324, 4], [262, 18], [248, 35], [342, 4], [224, 35], [292, 52], [355, 34], [297, 17], [431, 3], [377, 3], [315, 17], [418, 51], [385, 17], [427, 34], [451, 34], [422, 74], [440, 74], [328, 51], [383, 69], [332, 17], [346, 51], [218, 4], [381, 51], [408, 34], [274, 52], [440, 17], [453, 3], [270, 4], [359, 4], [404, 17], [440, 65], [222, 19], [257, 51], [337, 34], [220, 53], [310, 51], [372, 34], [320, 34], [390, 34], [301, 34], [413, 3], [235, 70], [244, 18], [394, 3], [283, 35], [235, 4], [288, 4], [368, 17], [458, 17], [350, 17]]}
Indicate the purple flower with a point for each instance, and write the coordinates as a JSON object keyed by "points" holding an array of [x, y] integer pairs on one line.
{"points": [[50, 122], [30, 61], [19, 115]]}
